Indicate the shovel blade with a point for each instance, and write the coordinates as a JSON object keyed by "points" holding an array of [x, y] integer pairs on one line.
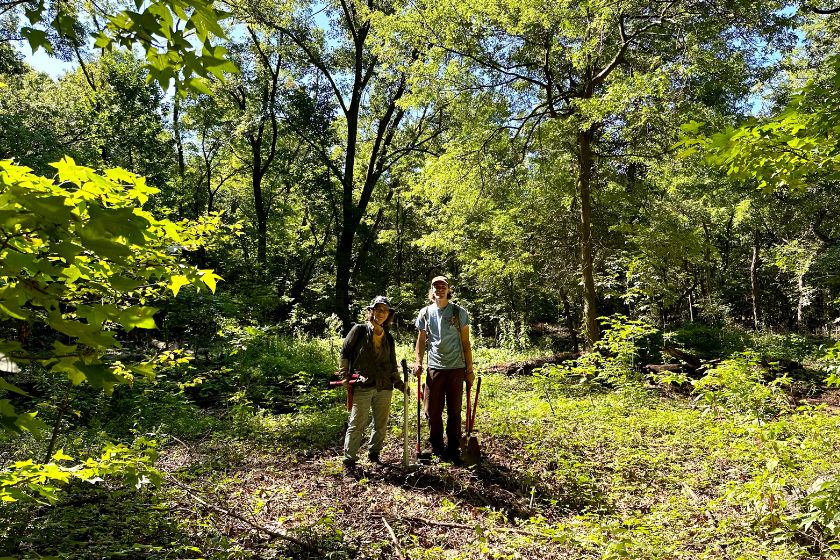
{"points": [[470, 450]]}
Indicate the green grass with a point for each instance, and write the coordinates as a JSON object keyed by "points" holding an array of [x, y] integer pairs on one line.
{"points": [[570, 471], [658, 475]]}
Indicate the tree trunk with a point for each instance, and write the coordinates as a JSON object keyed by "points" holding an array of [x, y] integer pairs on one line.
{"points": [[343, 267], [570, 321], [176, 128], [585, 164], [753, 282], [800, 305], [690, 307], [399, 227], [259, 205]]}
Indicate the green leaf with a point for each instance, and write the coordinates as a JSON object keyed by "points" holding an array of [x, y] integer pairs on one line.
{"points": [[125, 284], [99, 375], [177, 282], [6, 386], [64, 349], [138, 317], [145, 369], [692, 127], [87, 334], [118, 222], [209, 278], [37, 39], [35, 15], [103, 41], [198, 85], [103, 246], [60, 455], [48, 208], [13, 311]]}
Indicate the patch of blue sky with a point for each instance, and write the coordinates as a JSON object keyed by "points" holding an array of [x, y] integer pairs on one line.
{"points": [[43, 62]]}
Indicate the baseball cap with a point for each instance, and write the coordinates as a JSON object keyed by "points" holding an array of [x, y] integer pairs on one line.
{"points": [[440, 279]]}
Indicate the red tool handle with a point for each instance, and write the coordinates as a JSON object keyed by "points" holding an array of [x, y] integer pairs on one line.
{"points": [[475, 403], [419, 398], [467, 420]]}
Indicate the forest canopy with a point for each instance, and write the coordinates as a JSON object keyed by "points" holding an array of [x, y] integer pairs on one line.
{"points": [[633, 200]]}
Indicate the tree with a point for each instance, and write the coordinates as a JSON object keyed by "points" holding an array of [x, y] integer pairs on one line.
{"points": [[370, 85], [106, 115], [791, 156], [597, 67], [78, 257], [176, 35]]}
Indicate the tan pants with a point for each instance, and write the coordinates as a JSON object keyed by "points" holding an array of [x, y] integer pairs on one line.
{"points": [[365, 400]]}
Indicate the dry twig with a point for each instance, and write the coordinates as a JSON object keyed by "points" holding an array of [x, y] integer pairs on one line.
{"points": [[393, 538], [262, 529], [472, 527]]}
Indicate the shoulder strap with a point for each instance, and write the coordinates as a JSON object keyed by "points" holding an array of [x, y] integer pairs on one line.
{"points": [[456, 316], [424, 315], [357, 334]]}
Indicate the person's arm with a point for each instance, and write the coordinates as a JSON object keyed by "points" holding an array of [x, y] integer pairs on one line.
{"points": [[419, 350], [468, 359], [350, 343]]}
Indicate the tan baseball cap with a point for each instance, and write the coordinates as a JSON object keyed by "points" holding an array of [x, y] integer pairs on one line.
{"points": [[440, 279]]}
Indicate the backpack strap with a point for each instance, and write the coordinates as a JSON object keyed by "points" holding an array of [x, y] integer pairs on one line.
{"points": [[456, 316], [357, 335]]}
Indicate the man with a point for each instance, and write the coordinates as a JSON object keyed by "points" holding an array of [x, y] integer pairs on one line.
{"points": [[443, 330]]}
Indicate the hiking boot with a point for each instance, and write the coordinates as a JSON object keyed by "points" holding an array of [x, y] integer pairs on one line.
{"points": [[373, 456], [452, 456], [349, 467]]}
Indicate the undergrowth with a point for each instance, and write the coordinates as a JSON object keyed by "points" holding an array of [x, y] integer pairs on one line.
{"points": [[584, 460]]}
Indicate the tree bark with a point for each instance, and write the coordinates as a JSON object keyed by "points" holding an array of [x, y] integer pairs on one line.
{"points": [[800, 305], [179, 142], [585, 164], [570, 321], [257, 174], [754, 283], [343, 267]]}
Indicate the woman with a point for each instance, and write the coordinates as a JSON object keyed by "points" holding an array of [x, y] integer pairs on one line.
{"points": [[369, 362]]}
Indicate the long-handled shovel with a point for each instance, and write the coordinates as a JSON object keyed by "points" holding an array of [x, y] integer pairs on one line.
{"points": [[470, 448], [405, 414], [421, 457]]}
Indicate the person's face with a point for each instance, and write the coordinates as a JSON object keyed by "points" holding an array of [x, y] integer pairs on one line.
{"points": [[441, 290], [380, 313]]}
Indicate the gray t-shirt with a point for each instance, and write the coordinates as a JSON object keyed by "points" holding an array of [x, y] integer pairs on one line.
{"points": [[443, 335]]}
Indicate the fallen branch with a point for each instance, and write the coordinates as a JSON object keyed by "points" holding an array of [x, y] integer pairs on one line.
{"points": [[260, 528], [472, 527], [394, 538], [692, 362], [527, 367]]}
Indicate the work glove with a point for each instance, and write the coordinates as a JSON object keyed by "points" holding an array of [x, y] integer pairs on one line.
{"points": [[470, 377], [400, 385]]}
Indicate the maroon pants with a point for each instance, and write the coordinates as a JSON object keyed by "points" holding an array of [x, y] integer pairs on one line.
{"points": [[445, 386]]}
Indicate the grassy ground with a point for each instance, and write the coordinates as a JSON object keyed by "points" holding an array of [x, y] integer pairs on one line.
{"points": [[568, 472]]}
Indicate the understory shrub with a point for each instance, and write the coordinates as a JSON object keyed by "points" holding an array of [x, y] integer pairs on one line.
{"points": [[739, 384], [615, 359]]}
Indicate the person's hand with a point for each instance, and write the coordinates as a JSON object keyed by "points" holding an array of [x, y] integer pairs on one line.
{"points": [[418, 369], [470, 377]]}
